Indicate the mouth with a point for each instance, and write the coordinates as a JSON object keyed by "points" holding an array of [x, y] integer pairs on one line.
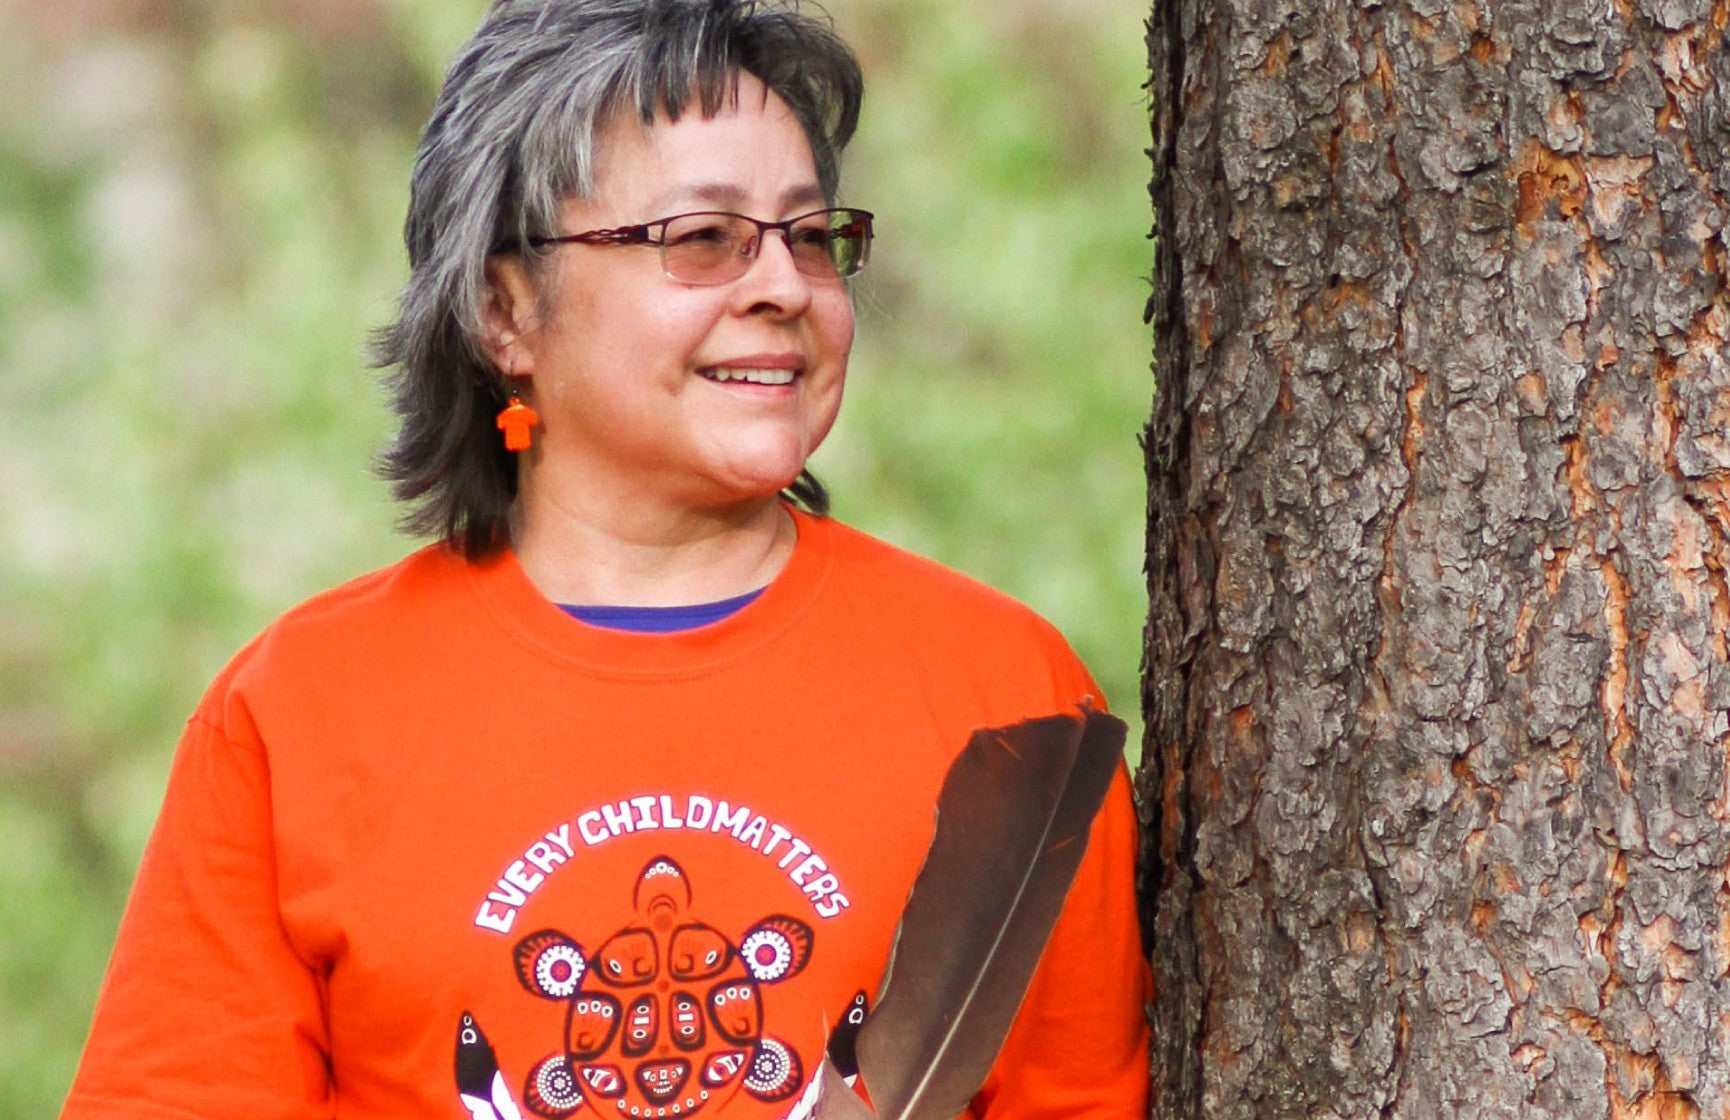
{"points": [[728, 375]]}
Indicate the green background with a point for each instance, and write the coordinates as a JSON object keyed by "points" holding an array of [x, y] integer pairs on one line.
{"points": [[200, 207]]}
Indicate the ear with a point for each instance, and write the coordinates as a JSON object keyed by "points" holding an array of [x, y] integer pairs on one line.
{"points": [[509, 315]]}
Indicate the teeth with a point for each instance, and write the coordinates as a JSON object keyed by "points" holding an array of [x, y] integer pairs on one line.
{"points": [[752, 376]]}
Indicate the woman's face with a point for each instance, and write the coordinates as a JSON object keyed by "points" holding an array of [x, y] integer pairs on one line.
{"points": [[652, 389]]}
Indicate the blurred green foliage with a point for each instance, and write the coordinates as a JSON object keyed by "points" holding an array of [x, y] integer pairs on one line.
{"points": [[200, 208]]}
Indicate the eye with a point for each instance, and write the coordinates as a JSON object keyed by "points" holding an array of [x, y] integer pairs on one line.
{"points": [[699, 232], [811, 237]]}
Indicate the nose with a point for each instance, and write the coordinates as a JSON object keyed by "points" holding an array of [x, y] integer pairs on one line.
{"points": [[773, 284]]}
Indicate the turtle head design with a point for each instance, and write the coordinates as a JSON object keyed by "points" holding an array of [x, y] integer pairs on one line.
{"points": [[663, 893]]}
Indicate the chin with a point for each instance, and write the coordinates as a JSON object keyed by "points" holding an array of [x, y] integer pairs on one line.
{"points": [[765, 473], [765, 486]]}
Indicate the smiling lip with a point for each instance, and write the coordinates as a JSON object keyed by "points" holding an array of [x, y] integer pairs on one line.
{"points": [[757, 369]]}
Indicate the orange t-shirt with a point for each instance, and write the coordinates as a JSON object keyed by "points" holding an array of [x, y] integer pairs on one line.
{"points": [[427, 825]]}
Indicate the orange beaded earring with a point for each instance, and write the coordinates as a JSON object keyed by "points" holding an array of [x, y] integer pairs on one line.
{"points": [[517, 420]]}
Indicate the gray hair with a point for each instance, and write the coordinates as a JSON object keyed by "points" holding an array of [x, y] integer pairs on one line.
{"points": [[511, 137]]}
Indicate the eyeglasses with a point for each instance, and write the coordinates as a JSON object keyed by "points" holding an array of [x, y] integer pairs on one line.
{"points": [[716, 247]]}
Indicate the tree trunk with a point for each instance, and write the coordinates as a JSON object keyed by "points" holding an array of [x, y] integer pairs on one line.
{"points": [[1438, 659]]}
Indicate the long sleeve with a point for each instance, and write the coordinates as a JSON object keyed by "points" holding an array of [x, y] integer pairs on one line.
{"points": [[1079, 1047], [206, 1010]]}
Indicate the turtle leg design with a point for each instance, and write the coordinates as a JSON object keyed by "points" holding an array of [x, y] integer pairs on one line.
{"points": [[775, 1072]]}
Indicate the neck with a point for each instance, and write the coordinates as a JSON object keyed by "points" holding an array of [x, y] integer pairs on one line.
{"points": [[631, 553]]}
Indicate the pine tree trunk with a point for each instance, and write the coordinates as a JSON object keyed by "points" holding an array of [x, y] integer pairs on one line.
{"points": [[1438, 660]]}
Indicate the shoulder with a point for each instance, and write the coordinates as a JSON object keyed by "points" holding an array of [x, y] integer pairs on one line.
{"points": [[349, 624], [406, 594], [896, 575], [934, 607]]}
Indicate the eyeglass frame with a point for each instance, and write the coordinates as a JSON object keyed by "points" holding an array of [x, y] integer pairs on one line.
{"points": [[638, 234]]}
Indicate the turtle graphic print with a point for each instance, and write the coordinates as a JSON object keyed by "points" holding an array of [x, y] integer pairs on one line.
{"points": [[665, 1017]]}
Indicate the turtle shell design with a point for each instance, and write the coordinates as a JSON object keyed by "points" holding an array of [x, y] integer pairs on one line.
{"points": [[666, 1017]]}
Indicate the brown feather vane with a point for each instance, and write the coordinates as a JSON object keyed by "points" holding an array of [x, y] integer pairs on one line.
{"points": [[1012, 824]]}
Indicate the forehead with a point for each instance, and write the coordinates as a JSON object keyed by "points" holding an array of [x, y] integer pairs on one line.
{"points": [[750, 152]]}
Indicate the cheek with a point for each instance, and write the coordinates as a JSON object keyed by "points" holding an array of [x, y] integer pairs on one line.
{"points": [[639, 338], [837, 336], [835, 322]]}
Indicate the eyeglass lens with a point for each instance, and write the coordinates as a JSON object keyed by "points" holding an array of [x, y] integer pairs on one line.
{"points": [[718, 248]]}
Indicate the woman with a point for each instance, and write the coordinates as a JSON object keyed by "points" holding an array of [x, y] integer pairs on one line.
{"points": [[463, 815]]}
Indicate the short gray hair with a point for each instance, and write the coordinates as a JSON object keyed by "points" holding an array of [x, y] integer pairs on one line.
{"points": [[511, 137]]}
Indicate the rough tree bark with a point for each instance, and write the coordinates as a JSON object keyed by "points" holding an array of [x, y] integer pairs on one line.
{"points": [[1438, 663]]}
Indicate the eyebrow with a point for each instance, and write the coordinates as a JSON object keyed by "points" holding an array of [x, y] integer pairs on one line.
{"points": [[729, 196]]}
